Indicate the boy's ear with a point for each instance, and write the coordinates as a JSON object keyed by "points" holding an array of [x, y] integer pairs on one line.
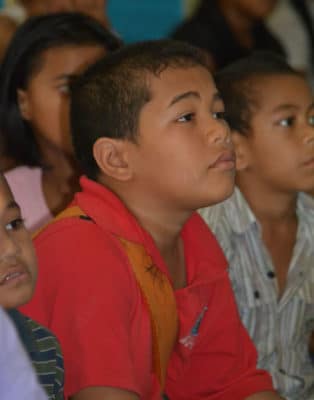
{"points": [[111, 156], [23, 103], [242, 150]]}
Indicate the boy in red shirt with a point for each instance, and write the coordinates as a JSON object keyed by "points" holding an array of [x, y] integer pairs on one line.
{"points": [[149, 131]]}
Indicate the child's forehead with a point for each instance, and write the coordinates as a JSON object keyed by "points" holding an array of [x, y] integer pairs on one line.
{"points": [[172, 79], [269, 89], [6, 197], [4, 187]]}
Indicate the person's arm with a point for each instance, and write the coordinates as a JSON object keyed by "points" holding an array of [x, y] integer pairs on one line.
{"points": [[265, 396], [104, 393]]}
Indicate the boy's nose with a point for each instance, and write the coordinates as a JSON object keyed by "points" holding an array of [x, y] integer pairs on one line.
{"points": [[309, 134], [9, 247], [219, 132]]}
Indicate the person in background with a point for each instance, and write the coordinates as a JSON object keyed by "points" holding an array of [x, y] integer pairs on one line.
{"points": [[229, 29], [17, 377], [293, 24], [46, 53], [266, 228], [20, 10], [18, 273], [14, 14]]}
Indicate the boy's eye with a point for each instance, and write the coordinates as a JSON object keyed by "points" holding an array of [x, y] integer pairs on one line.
{"points": [[220, 115], [64, 89], [15, 224], [311, 120], [286, 122], [186, 117]]}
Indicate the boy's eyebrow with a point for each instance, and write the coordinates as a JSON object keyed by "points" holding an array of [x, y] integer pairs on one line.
{"points": [[13, 204], [65, 77], [183, 96], [283, 107]]}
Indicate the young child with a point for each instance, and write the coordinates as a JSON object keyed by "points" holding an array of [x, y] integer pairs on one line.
{"points": [[267, 227], [18, 272], [45, 55], [149, 132]]}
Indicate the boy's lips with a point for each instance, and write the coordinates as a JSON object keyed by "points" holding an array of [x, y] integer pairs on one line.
{"points": [[225, 161], [13, 274], [309, 162]]}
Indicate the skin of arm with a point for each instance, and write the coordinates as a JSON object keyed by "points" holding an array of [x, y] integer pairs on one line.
{"points": [[104, 393]]}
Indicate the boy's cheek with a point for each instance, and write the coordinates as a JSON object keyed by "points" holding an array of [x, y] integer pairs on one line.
{"points": [[29, 259], [20, 292], [16, 297]]}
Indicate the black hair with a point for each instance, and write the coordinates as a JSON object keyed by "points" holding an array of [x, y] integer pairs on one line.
{"points": [[108, 98], [23, 59], [236, 84]]}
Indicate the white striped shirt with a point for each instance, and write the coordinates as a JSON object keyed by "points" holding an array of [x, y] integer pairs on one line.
{"points": [[280, 328]]}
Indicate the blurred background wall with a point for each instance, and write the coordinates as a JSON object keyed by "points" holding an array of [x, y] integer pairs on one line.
{"points": [[143, 19]]}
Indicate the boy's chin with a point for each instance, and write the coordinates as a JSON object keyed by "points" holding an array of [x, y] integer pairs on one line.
{"points": [[17, 298], [218, 197]]}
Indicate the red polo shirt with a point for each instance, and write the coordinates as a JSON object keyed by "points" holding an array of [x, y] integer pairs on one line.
{"points": [[87, 294]]}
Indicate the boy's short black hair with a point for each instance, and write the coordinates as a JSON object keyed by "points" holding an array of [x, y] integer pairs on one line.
{"points": [[108, 98], [236, 84], [23, 59]]}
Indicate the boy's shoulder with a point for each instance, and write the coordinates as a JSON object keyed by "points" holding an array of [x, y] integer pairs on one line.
{"points": [[74, 236], [66, 226]]}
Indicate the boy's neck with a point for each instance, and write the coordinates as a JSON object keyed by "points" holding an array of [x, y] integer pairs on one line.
{"points": [[271, 207], [162, 223], [165, 229]]}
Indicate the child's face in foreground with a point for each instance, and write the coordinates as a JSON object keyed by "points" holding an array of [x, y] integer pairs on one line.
{"points": [[184, 157], [18, 268], [45, 101], [281, 141]]}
